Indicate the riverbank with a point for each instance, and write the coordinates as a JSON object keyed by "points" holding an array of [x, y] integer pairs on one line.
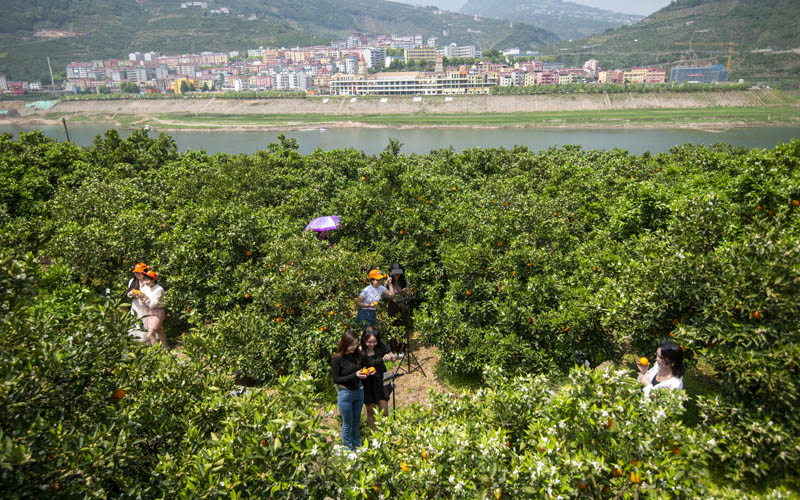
{"points": [[697, 110]]}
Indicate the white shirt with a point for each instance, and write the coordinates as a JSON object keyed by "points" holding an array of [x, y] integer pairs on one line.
{"points": [[671, 383], [372, 294], [153, 296], [137, 306]]}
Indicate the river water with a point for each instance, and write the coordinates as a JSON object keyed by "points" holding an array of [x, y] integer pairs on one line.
{"points": [[374, 140]]}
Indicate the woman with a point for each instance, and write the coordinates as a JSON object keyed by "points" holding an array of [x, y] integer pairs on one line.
{"points": [[666, 372], [367, 301], [152, 296], [399, 310], [138, 308], [373, 353], [345, 366]]}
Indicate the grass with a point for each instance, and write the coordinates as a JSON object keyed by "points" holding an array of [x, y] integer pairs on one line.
{"points": [[778, 115]]}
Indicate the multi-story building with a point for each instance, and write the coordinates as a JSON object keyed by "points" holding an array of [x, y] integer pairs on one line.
{"points": [[375, 57], [464, 52], [139, 74], [655, 75], [420, 53], [591, 66], [77, 70], [412, 83], [3, 83], [698, 74]]}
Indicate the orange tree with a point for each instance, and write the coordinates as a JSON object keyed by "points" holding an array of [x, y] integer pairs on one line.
{"points": [[526, 261]]}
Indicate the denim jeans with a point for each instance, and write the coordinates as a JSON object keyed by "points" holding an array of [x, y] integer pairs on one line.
{"points": [[366, 317], [350, 403]]}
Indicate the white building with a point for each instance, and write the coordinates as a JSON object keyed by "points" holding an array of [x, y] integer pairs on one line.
{"points": [[375, 57]]}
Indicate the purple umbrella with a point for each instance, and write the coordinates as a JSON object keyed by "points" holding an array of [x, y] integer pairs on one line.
{"points": [[327, 223]]}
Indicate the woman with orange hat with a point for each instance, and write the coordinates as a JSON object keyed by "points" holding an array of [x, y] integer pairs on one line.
{"points": [[138, 308], [153, 297], [367, 301]]}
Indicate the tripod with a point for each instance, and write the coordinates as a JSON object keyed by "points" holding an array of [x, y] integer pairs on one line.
{"points": [[407, 356]]}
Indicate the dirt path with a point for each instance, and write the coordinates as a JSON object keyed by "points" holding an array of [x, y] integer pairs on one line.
{"points": [[413, 387]]}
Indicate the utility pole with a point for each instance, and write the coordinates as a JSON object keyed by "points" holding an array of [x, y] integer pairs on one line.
{"points": [[52, 82]]}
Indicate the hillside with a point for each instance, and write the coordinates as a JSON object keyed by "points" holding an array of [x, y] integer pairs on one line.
{"points": [[68, 30], [765, 34], [566, 19]]}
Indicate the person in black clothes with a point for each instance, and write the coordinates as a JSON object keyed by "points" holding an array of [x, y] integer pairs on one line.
{"points": [[373, 353], [399, 310], [346, 375]]}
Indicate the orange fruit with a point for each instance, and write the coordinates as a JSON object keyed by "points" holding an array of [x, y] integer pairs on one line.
{"points": [[188, 309], [644, 361], [371, 370], [675, 450], [505, 204], [616, 472], [469, 292], [756, 314], [555, 214], [402, 232], [376, 489], [248, 253], [759, 208], [635, 462], [636, 478], [608, 424], [404, 466], [424, 453], [278, 319], [606, 490], [528, 264], [795, 203], [581, 485], [118, 394], [278, 305], [565, 329], [331, 312], [363, 178], [247, 295], [498, 493], [454, 188], [263, 442]]}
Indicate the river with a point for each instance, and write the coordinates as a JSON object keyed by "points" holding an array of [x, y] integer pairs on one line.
{"points": [[374, 140]]}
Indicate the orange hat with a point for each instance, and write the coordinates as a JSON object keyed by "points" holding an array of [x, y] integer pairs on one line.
{"points": [[375, 274], [152, 274], [140, 267]]}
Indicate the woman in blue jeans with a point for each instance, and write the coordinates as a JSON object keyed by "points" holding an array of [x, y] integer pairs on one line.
{"points": [[345, 364], [367, 301]]}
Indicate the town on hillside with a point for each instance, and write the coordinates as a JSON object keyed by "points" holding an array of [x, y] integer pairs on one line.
{"points": [[358, 66]]}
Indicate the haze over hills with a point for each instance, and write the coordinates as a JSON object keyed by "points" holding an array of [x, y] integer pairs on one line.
{"points": [[75, 30], [568, 20], [765, 33]]}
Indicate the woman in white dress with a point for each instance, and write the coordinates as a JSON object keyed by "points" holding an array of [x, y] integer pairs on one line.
{"points": [[138, 308]]}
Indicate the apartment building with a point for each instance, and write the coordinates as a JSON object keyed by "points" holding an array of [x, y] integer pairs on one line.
{"points": [[412, 83], [420, 53]]}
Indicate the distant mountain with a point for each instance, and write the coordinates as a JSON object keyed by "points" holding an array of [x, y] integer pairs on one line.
{"points": [[566, 19], [765, 32], [80, 30]]}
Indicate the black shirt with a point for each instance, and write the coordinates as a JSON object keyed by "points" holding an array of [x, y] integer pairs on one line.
{"points": [[344, 370]]}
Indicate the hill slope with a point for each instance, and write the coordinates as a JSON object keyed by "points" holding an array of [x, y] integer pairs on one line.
{"points": [[95, 29], [566, 19], [764, 31]]}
